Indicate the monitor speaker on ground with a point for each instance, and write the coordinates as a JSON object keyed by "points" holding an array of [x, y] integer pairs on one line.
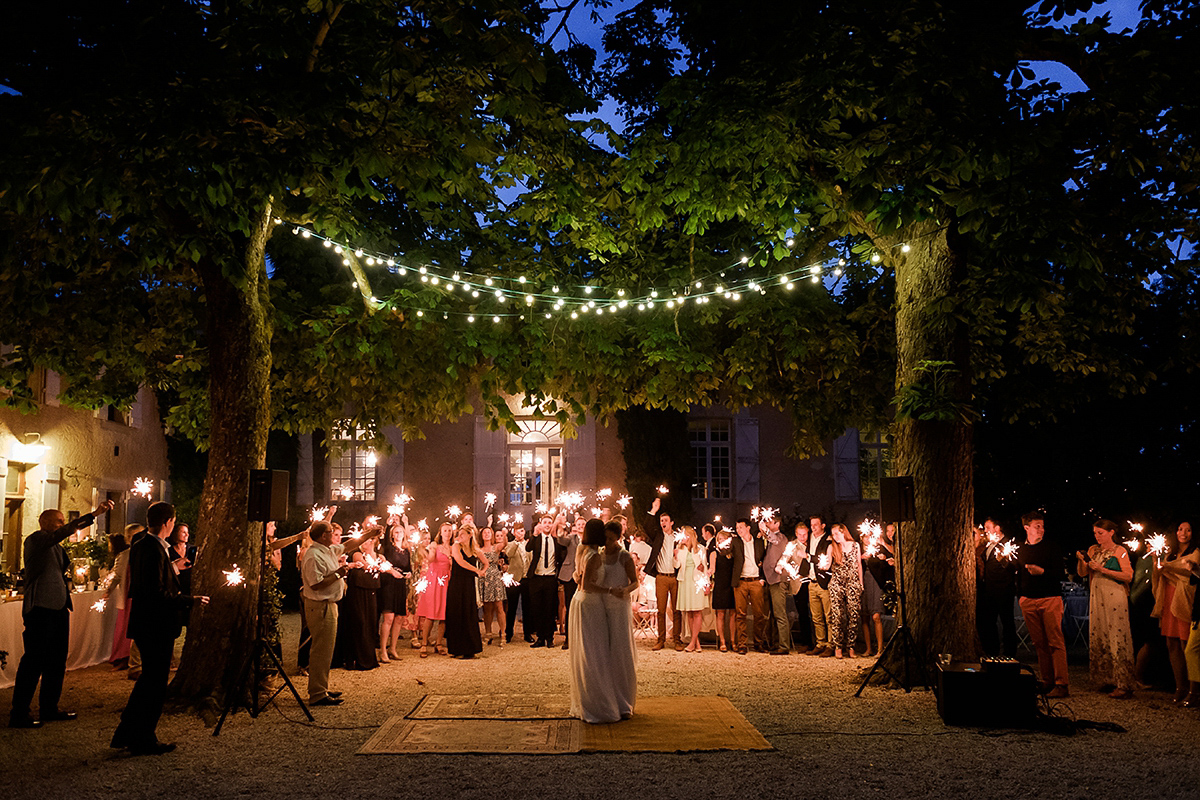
{"points": [[268, 495], [969, 694], [896, 503]]}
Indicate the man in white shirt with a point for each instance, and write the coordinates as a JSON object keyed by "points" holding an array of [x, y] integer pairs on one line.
{"points": [[661, 565], [322, 585]]}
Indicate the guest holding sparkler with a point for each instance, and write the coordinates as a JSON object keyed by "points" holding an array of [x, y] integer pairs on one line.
{"points": [[431, 606], [691, 572], [820, 562], [1039, 587], [1173, 596], [462, 613], [492, 591], [845, 591], [393, 588], [322, 586], [777, 571], [660, 565], [996, 591], [361, 620], [748, 594], [516, 591], [720, 570], [1107, 568], [879, 579]]}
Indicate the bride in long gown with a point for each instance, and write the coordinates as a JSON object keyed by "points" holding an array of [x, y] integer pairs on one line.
{"points": [[603, 663]]}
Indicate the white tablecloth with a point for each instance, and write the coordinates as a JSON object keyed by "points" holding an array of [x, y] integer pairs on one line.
{"points": [[91, 634]]}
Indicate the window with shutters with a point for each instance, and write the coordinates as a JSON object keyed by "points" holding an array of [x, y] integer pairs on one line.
{"points": [[712, 459], [352, 469], [874, 462]]}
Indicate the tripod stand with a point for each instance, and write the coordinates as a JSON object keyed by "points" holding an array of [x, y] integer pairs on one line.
{"points": [[901, 638], [253, 670]]}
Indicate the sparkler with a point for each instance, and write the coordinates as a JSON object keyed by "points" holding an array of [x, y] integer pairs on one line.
{"points": [[318, 513], [143, 487], [371, 521], [503, 518], [421, 585], [702, 583], [571, 500], [623, 501], [662, 489], [400, 502], [347, 492], [1133, 544], [442, 580], [1136, 527], [99, 605], [823, 561], [542, 508], [717, 518], [725, 545], [679, 536], [597, 511], [415, 538], [1008, 550], [234, 577], [518, 518], [603, 493], [1157, 544], [489, 500], [423, 525], [454, 512], [508, 580]]}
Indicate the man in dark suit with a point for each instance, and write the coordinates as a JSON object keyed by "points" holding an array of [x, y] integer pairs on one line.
{"points": [[47, 616], [747, 580], [545, 560], [155, 622]]}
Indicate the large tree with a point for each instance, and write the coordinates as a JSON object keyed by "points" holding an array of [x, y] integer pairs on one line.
{"points": [[150, 150], [1015, 227]]}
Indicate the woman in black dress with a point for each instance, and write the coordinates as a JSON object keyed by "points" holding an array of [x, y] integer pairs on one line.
{"points": [[362, 616], [462, 612], [393, 589], [720, 566]]}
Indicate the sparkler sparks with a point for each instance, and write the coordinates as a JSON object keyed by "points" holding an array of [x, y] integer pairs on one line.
{"points": [[508, 580], [143, 487], [623, 501], [99, 605], [1008, 550], [421, 585], [423, 525], [400, 502], [503, 518], [453, 512], [597, 511], [541, 508], [1157, 544], [234, 577], [489, 500], [662, 489], [571, 500], [1136, 527], [318, 513], [355, 531], [371, 521], [518, 518], [823, 561], [346, 492], [603, 493], [702, 583], [1133, 544], [415, 538]]}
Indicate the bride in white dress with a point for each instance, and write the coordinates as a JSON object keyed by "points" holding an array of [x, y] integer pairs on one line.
{"points": [[602, 656]]}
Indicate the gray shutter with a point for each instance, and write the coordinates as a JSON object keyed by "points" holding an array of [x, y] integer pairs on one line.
{"points": [[845, 454], [52, 487], [579, 459], [745, 472], [491, 466], [53, 387]]}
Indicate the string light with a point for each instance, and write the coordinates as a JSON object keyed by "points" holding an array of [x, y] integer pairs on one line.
{"points": [[499, 286]]}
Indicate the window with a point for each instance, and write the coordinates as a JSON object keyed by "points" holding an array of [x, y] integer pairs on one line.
{"points": [[874, 462], [534, 462], [711, 459], [352, 471]]}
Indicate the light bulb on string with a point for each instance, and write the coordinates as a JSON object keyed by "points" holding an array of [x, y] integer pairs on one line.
{"points": [[487, 282], [876, 258], [904, 248], [422, 270], [357, 252], [328, 243]]}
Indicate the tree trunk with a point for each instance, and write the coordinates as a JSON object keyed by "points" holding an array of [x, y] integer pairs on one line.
{"points": [[937, 549], [238, 328]]}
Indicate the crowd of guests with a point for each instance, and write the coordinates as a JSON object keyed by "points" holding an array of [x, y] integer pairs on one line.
{"points": [[363, 592], [1140, 598]]}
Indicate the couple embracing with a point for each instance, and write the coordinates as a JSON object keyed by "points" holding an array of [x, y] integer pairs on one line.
{"points": [[603, 664]]}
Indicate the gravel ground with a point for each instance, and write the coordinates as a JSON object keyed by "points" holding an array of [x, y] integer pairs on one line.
{"points": [[828, 743]]}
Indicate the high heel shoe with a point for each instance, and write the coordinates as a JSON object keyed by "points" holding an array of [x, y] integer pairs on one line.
{"points": [[424, 651]]}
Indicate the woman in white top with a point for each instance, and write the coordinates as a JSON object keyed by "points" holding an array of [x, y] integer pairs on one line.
{"points": [[691, 570]]}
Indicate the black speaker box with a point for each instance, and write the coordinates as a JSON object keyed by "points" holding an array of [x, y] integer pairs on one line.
{"points": [[896, 503], [268, 495], [997, 698]]}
